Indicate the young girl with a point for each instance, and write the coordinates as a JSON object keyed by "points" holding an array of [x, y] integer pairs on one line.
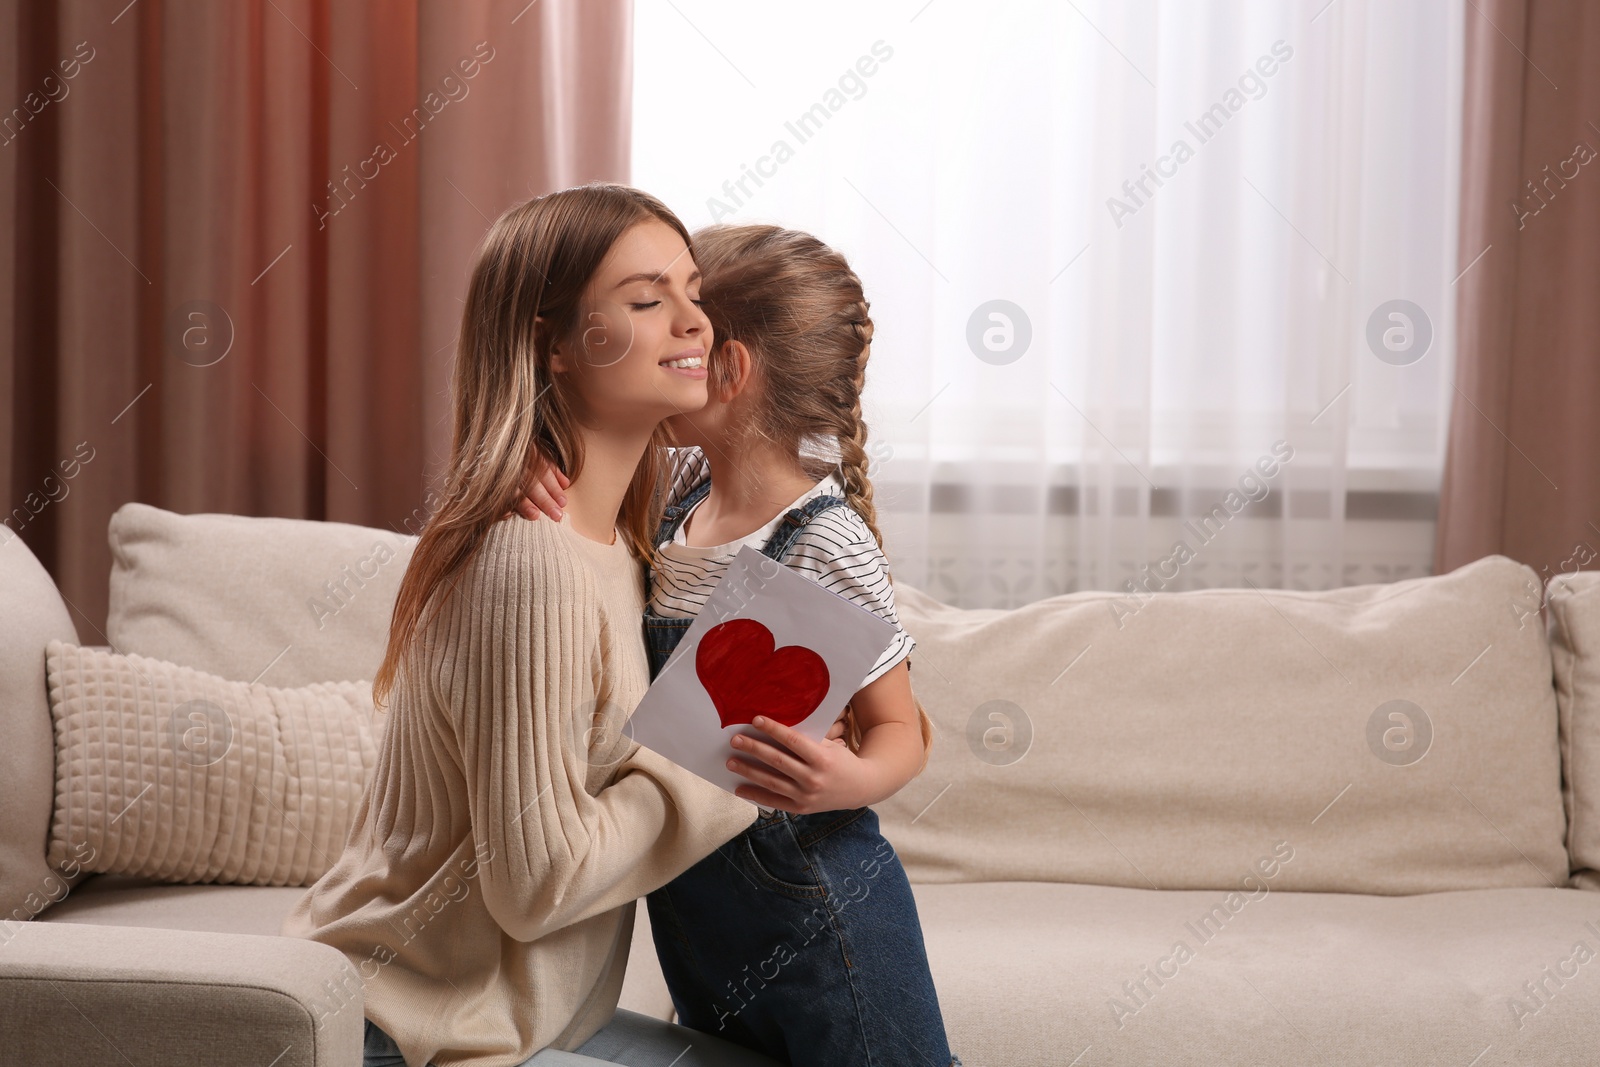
{"points": [[800, 937]]}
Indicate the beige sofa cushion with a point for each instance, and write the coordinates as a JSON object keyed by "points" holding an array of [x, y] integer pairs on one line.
{"points": [[1172, 743], [123, 900], [174, 774], [31, 616], [1574, 629], [1032, 975], [284, 601]]}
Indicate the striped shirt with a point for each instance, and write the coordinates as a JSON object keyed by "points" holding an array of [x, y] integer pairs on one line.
{"points": [[835, 549]]}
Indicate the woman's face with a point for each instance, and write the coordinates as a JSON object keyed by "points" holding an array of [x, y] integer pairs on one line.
{"points": [[640, 322]]}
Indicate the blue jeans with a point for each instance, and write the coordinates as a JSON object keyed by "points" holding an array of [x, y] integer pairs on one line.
{"points": [[629, 1038], [799, 939]]}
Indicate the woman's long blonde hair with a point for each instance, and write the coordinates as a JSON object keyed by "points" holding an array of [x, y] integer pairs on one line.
{"points": [[536, 260], [802, 312]]}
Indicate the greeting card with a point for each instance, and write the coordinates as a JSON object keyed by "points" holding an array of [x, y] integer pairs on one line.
{"points": [[768, 642]]}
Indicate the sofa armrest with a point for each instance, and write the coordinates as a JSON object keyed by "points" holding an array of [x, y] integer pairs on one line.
{"points": [[74, 993]]}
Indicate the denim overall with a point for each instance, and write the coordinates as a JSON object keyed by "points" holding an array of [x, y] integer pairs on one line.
{"points": [[799, 938]]}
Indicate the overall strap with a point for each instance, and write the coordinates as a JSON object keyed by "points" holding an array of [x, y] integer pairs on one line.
{"points": [[671, 519], [794, 520]]}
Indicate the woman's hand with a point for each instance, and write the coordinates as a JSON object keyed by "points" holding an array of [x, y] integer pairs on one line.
{"points": [[543, 491], [839, 731], [811, 776]]}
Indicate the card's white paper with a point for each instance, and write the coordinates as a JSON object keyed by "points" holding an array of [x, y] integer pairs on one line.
{"points": [[677, 716]]}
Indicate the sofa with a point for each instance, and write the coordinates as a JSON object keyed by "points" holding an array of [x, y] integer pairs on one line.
{"points": [[1224, 826]]}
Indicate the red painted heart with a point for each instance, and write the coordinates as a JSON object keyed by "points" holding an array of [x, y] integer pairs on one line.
{"points": [[746, 676]]}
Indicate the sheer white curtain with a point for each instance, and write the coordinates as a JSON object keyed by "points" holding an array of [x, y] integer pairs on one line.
{"points": [[1134, 267]]}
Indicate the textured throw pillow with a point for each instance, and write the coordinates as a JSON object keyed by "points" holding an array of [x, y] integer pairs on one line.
{"points": [[171, 773]]}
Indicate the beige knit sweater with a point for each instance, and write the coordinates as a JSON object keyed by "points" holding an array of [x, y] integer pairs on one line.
{"points": [[486, 891]]}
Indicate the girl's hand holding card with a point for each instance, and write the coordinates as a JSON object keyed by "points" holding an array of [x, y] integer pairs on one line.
{"points": [[800, 775]]}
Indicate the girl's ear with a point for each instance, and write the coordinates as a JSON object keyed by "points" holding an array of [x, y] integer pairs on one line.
{"points": [[738, 364]]}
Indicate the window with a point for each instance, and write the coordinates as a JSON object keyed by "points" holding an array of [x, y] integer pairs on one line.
{"points": [[1115, 251]]}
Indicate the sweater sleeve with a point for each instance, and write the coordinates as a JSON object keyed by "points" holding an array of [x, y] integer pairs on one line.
{"points": [[518, 660]]}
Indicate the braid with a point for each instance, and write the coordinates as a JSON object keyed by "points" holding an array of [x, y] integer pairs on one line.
{"points": [[852, 435], [858, 494]]}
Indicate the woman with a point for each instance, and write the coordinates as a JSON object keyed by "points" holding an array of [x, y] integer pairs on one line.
{"points": [[486, 891]]}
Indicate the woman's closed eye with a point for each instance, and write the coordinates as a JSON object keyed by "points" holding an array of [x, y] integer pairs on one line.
{"points": [[657, 303]]}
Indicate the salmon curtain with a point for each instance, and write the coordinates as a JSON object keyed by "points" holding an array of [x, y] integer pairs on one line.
{"points": [[235, 237], [1522, 473]]}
